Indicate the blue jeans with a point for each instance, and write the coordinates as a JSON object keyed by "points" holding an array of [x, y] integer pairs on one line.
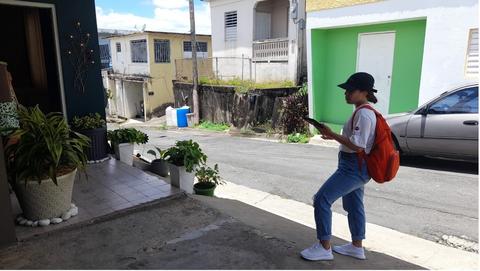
{"points": [[347, 182]]}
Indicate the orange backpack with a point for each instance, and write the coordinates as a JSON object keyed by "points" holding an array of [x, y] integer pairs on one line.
{"points": [[383, 160]]}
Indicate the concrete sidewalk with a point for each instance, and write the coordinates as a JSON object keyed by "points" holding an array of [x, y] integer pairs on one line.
{"points": [[409, 248], [183, 233]]}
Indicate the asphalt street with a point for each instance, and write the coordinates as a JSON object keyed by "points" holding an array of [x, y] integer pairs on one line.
{"points": [[430, 198]]}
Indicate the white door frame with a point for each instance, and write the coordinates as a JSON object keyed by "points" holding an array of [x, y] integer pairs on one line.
{"points": [[56, 41], [358, 52]]}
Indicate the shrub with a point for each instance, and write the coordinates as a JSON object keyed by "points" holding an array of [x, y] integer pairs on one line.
{"points": [[294, 108], [88, 122], [127, 135]]}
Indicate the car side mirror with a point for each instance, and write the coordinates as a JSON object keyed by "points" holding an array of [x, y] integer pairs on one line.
{"points": [[423, 111]]}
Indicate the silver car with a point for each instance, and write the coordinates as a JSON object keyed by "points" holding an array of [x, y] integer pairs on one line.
{"points": [[445, 127]]}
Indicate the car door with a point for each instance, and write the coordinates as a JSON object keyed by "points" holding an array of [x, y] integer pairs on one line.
{"points": [[447, 127]]}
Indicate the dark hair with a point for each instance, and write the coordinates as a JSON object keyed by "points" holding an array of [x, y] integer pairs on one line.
{"points": [[371, 97]]}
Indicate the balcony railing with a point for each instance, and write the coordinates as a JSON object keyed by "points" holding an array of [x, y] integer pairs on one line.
{"points": [[271, 50]]}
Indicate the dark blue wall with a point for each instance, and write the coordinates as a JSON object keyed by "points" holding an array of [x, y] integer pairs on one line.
{"points": [[68, 13]]}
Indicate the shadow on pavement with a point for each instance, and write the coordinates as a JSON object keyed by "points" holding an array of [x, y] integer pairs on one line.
{"points": [[300, 237], [439, 164]]}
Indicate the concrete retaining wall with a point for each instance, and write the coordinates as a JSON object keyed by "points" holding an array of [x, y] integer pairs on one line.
{"points": [[223, 104]]}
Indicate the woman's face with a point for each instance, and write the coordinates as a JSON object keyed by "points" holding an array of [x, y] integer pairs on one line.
{"points": [[355, 96]]}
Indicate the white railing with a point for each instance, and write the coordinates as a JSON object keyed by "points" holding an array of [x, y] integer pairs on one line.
{"points": [[271, 50]]}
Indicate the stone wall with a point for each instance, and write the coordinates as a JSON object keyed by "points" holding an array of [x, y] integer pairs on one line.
{"points": [[223, 104]]}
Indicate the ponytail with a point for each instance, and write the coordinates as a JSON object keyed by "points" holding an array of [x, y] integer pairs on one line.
{"points": [[371, 97]]}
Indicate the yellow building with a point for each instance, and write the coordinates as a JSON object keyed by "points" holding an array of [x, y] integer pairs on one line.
{"points": [[144, 65]]}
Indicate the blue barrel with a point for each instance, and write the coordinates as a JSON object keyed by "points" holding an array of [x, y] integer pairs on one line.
{"points": [[182, 116]]}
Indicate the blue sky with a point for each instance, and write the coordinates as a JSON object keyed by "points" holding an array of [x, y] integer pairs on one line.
{"points": [[159, 15]]}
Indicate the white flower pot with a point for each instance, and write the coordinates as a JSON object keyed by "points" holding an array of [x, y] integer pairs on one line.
{"points": [[124, 153], [182, 179], [45, 200]]}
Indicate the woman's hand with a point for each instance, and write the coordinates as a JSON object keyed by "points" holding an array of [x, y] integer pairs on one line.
{"points": [[326, 131], [327, 137]]}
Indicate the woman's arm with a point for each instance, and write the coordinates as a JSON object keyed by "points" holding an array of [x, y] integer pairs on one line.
{"points": [[327, 133]]}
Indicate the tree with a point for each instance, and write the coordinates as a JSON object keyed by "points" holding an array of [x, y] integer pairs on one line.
{"points": [[196, 105]]}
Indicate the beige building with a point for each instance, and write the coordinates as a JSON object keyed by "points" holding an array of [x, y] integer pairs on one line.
{"points": [[143, 67]]}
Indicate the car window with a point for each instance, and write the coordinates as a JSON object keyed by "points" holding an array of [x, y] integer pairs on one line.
{"points": [[460, 102]]}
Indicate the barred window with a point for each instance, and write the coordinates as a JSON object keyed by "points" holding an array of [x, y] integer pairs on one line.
{"points": [[119, 47], [162, 51], [104, 52], [139, 51], [202, 49], [201, 46]]}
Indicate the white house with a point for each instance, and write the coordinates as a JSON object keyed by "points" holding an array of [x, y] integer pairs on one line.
{"points": [[260, 40], [416, 50]]}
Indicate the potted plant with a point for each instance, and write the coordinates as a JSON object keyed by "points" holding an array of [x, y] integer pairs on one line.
{"points": [[122, 141], [159, 165], [43, 163], [183, 158], [207, 180], [94, 127]]}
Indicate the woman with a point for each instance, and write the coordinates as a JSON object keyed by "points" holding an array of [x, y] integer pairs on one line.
{"points": [[8, 106], [349, 179]]}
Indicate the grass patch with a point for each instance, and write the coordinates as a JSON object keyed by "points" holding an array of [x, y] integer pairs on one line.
{"points": [[243, 86], [162, 127], [218, 127], [298, 138]]}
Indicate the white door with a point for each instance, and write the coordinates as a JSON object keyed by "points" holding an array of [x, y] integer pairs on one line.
{"points": [[375, 56]]}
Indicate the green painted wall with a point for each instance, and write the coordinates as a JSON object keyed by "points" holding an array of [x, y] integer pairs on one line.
{"points": [[334, 55]]}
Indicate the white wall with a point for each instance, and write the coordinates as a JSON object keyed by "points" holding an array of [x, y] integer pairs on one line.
{"points": [[245, 33], [266, 72], [122, 62], [446, 35]]}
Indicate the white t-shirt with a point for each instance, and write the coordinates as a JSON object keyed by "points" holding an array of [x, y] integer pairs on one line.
{"points": [[363, 134]]}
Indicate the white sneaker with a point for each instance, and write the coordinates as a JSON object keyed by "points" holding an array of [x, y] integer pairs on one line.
{"points": [[350, 250], [317, 253]]}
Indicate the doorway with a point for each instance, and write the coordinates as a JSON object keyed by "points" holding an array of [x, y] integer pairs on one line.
{"points": [[30, 50], [375, 56]]}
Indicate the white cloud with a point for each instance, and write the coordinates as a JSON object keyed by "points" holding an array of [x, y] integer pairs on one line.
{"points": [[170, 15]]}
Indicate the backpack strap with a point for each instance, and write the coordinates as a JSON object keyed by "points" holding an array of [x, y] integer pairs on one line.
{"points": [[367, 106], [361, 156]]}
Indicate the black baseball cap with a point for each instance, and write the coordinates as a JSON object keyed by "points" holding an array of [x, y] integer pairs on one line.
{"points": [[359, 80]]}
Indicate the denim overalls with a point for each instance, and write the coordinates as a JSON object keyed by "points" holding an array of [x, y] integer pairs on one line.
{"points": [[347, 182]]}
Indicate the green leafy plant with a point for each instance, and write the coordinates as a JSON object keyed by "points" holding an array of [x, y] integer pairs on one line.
{"points": [[219, 127], [47, 147], [298, 138], [127, 135], [88, 122], [208, 177], [186, 153], [158, 153]]}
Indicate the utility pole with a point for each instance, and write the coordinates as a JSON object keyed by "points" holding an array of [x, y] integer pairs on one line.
{"points": [[196, 105]]}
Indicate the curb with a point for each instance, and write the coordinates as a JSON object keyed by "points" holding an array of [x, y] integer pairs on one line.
{"points": [[387, 241]]}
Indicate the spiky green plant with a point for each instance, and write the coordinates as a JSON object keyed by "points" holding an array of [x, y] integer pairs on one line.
{"points": [[47, 147]]}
